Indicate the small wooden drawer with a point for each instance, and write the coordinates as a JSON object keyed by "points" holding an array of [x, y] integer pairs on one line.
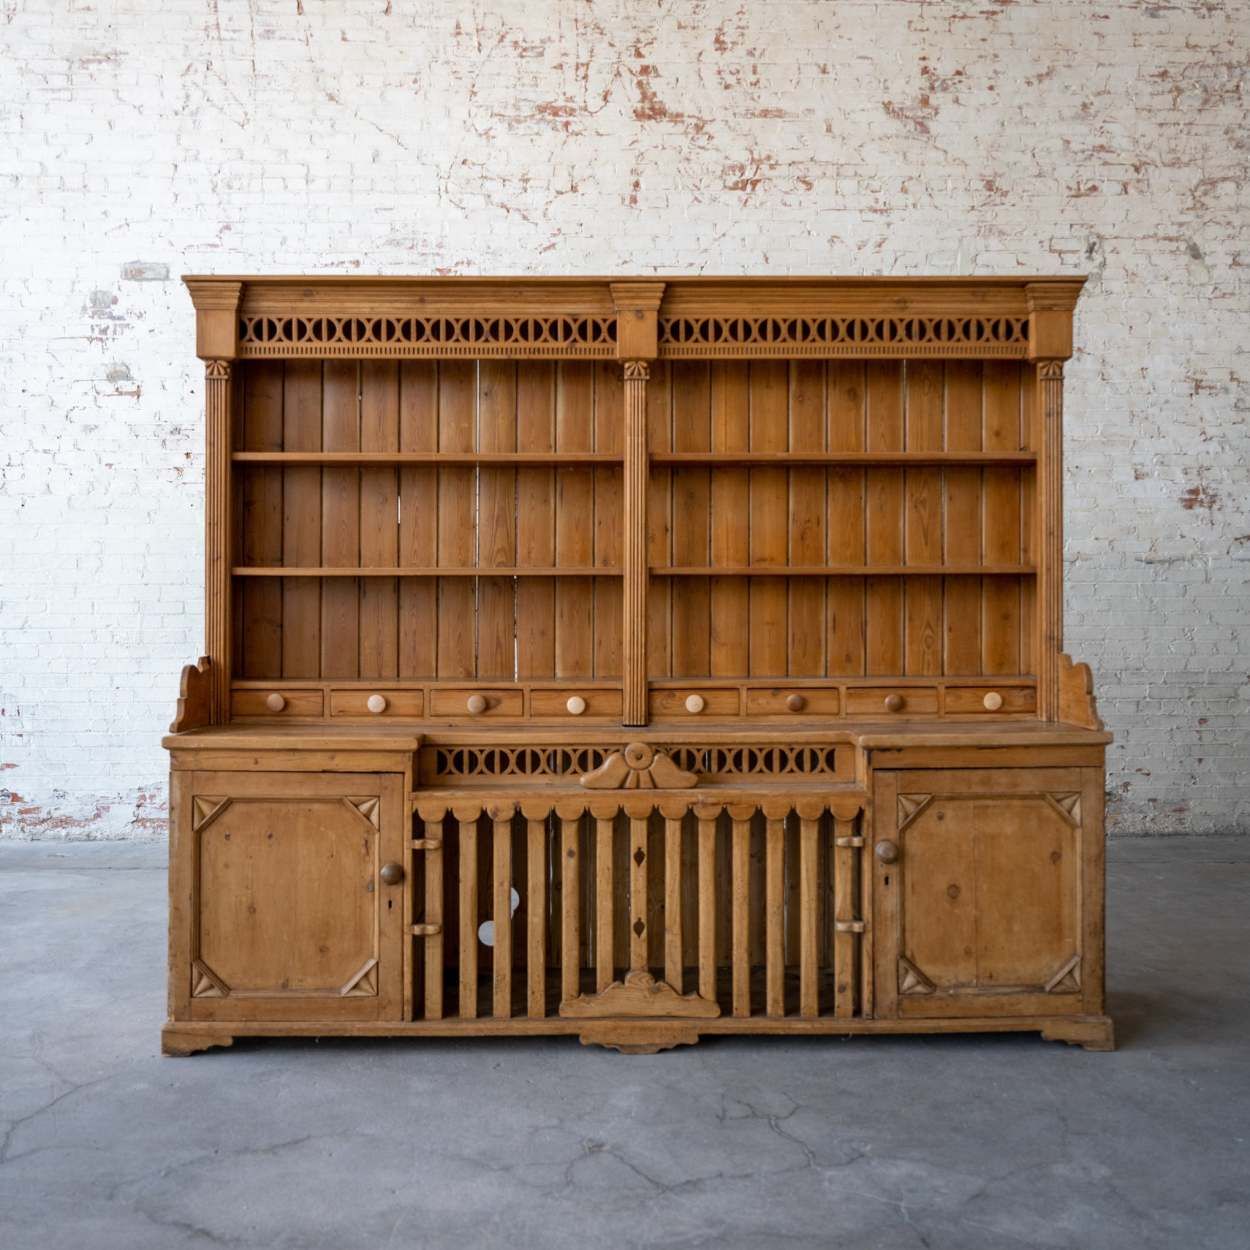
{"points": [[892, 701], [276, 702], [988, 700], [575, 704], [377, 704], [793, 701], [471, 704], [693, 703]]}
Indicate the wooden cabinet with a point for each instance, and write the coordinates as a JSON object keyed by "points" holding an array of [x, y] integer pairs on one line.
{"points": [[640, 659], [985, 890], [284, 907]]}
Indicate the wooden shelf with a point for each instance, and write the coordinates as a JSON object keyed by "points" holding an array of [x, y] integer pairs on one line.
{"points": [[844, 570], [539, 458], [409, 571], [903, 458]]}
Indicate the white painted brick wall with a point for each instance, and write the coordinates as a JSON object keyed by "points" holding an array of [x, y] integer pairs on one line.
{"points": [[143, 139]]}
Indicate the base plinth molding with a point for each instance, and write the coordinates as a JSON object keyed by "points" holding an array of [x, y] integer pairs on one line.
{"points": [[179, 1042], [1089, 1032]]}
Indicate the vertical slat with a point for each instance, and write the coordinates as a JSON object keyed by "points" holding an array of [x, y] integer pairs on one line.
{"points": [[418, 521], [467, 815], [740, 814], [922, 524], [774, 908], [634, 558], [379, 519], [659, 521], [1049, 539], [611, 522], [574, 596], [536, 908], [605, 962], [809, 812], [673, 926], [962, 641], [846, 907], [501, 880], [340, 512], [433, 911], [1001, 595], [457, 393], [535, 521], [844, 596], [570, 945], [638, 870], [884, 515], [692, 622], [496, 518], [706, 816], [807, 514], [301, 520], [768, 519], [730, 508]]}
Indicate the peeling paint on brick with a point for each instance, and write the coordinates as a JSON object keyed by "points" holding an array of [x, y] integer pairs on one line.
{"points": [[715, 137]]}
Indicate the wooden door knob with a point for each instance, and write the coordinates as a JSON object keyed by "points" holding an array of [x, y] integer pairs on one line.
{"points": [[476, 704], [992, 701], [576, 705], [391, 874], [275, 702], [376, 703], [886, 852], [895, 703], [695, 703], [796, 702]]}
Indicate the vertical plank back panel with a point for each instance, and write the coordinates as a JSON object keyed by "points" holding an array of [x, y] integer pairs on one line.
{"points": [[807, 519], [574, 596], [964, 424], [457, 633], [535, 521], [609, 408], [301, 520], [884, 519], [922, 523], [659, 521], [1001, 616]]}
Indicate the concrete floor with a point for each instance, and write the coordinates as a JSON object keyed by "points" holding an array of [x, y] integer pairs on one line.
{"points": [[965, 1143]]}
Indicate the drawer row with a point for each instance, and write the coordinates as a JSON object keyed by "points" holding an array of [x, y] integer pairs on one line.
{"points": [[474, 703]]}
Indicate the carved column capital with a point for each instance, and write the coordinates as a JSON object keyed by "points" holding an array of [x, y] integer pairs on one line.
{"points": [[217, 370], [637, 371], [1050, 370]]}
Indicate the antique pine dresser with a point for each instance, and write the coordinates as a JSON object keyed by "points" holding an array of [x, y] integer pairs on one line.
{"points": [[637, 659]]}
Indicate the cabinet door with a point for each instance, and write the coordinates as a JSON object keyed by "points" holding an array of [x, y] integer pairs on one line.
{"points": [[279, 909], [987, 892]]}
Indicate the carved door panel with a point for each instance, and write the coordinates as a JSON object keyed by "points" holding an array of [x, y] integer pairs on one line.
{"points": [[979, 883], [288, 913]]}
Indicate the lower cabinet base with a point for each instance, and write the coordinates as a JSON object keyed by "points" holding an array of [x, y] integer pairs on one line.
{"points": [[644, 1036]]}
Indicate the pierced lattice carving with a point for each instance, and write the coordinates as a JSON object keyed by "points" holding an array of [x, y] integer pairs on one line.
{"points": [[1067, 979], [364, 984], [910, 806], [911, 980], [369, 808], [427, 336], [204, 810], [205, 983], [448, 764], [843, 336]]}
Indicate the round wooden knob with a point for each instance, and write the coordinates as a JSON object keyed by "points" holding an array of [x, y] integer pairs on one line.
{"points": [[391, 874], [376, 703], [576, 705], [275, 702], [895, 702], [476, 704], [796, 702], [695, 703], [886, 852], [992, 701]]}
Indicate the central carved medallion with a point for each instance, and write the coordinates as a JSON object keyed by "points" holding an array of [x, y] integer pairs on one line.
{"points": [[638, 767]]}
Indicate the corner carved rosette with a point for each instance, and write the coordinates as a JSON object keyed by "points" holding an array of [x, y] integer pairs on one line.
{"points": [[638, 767]]}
